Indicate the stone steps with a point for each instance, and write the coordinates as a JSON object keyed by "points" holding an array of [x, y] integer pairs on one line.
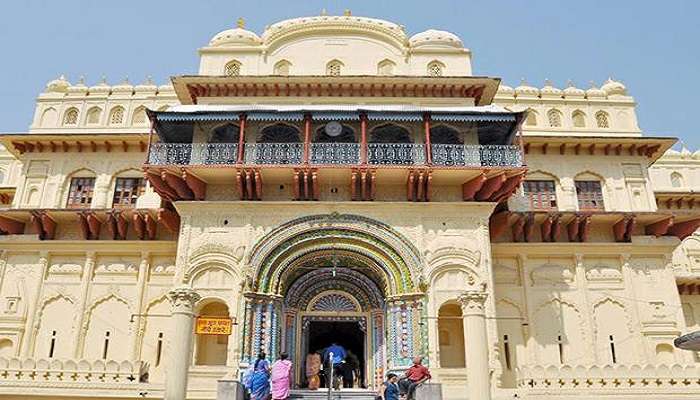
{"points": [[322, 394]]}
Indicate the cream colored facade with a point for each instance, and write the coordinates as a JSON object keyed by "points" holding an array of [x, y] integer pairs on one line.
{"points": [[503, 296]]}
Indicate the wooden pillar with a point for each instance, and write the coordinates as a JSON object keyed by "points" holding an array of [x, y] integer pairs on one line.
{"points": [[363, 139], [241, 137], [307, 137], [428, 147]]}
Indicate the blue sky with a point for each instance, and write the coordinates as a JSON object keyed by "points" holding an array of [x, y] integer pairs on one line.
{"points": [[650, 46]]}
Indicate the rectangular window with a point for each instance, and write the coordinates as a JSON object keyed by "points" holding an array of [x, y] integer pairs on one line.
{"points": [[541, 194], [126, 191], [80, 194], [590, 195]]}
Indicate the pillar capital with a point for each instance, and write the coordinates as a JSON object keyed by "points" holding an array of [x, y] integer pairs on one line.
{"points": [[182, 299], [473, 302]]}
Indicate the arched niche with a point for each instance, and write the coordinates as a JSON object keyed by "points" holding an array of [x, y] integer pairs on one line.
{"points": [[212, 349], [451, 336]]}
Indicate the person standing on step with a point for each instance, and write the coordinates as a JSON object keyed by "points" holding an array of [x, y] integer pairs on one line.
{"points": [[390, 388], [260, 379], [281, 378]]}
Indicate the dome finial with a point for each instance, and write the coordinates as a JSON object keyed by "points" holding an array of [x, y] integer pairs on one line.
{"points": [[547, 82], [240, 23], [347, 12], [324, 12], [569, 83]]}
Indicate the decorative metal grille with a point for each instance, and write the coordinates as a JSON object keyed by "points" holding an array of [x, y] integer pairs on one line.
{"points": [[193, 153], [274, 153], [396, 153], [335, 153], [334, 302], [476, 155]]}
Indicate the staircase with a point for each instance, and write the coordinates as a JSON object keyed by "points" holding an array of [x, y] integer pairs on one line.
{"points": [[322, 394]]}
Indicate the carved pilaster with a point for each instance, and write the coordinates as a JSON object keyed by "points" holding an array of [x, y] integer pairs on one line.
{"points": [[182, 300], [473, 302]]}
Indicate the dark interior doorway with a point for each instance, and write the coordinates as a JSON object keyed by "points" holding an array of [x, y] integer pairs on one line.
{"points": [[344, 333]]}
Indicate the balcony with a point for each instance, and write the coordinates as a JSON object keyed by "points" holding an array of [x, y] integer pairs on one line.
{"points": [[336, 154]]}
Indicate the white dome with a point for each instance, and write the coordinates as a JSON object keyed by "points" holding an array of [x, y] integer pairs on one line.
{"points": [[572, 91], [235, 37], [595, 92], [79, 88], [505, 90], [614, 88], [59, 85], [101, 87], [433, 37], [526, 90], [550, 91], [147, 86], [123, 87]]}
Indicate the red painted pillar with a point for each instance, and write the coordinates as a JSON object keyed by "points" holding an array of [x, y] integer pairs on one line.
{"points": [[428, 147], [307, 137], [363, 139], [241, 137]]}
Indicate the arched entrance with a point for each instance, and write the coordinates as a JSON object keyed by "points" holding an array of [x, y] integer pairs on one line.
{"points": [[317, 276]]}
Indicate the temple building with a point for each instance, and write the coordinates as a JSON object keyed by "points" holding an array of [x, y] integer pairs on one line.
{"points": [[338, 179]]}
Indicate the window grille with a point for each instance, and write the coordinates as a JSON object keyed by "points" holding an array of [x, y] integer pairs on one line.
{"points": [[590, 195], [602, 120], [80, 193], [434, 69], [554, 118], [233, 68], [127, 191], [71, 117], [117, 116], [541, 194]]}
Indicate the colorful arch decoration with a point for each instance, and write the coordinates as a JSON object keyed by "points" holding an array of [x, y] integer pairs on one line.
{"points": [[391, 256]]}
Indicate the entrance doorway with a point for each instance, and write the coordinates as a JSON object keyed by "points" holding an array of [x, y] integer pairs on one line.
{"points": [[349, 335]]}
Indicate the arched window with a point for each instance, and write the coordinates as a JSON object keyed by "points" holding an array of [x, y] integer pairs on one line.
{"points": [[6, 348], [442, 134], [579, 119], [554, 118], [676, 180], [227, 133], [602, 119], [385, 67], [589, 194], [347, 135], [283, 67], [233, 68], [451, 336], [48, 118], [436, 68], [212, 349], [71, 116], [139, 117], [390, 133], [531, 119], [93, 115], [116, 116], [279, 133], [334, 68]]}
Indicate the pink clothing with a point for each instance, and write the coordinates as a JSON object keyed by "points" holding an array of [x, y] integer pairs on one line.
{"points": [[281, 378]]}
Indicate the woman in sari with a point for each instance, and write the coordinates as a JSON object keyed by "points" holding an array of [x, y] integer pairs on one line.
{"points": [[260, 379], [281, 378]]}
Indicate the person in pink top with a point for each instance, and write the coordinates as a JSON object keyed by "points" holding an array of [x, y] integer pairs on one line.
{"points": [[281, 378]]}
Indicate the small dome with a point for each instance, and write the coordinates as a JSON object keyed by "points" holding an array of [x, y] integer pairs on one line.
{"points": [[123, 87], [696, 155], [685, 153], [505, 90], [614, 88], [235, 37], [526, 90], [59, 85], [147, 86], [549, 90], [166, 88], [433, 37], [671, 153], [101, 87], [595, 92], [79, 88], [572, 91]]}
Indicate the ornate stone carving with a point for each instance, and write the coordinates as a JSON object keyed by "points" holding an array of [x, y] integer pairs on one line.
{"points": [[473, 302], [182, 299]]}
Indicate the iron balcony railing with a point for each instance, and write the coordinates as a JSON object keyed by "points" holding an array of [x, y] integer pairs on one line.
{"points": [[448, 155], [459, 155]]}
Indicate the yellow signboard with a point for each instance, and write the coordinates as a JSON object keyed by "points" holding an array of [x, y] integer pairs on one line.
{"points": [[213, 326]]}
